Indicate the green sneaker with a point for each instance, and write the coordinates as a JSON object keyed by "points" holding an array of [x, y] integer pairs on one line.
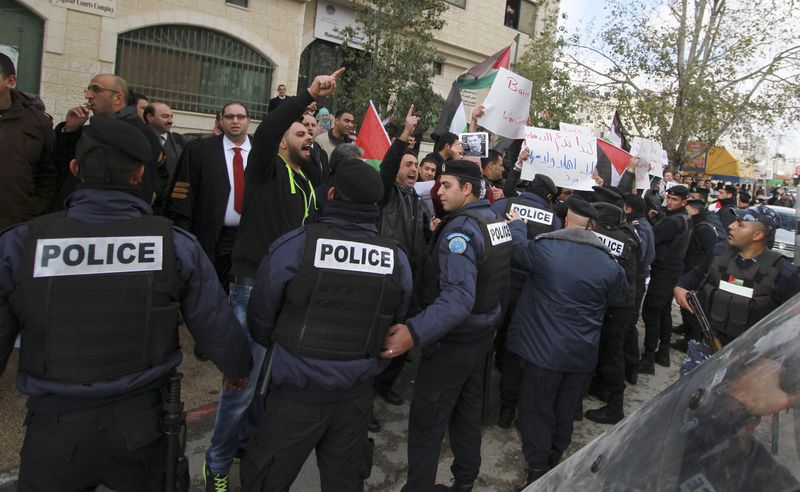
{"points": [[214, 482]]}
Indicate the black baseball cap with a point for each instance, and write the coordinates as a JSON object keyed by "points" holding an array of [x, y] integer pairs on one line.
{"points": [[759, 213]]}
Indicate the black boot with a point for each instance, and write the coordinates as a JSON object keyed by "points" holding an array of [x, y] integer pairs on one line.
{"points": [[631, 376], [646, 364], [605, 415], [506, 418], [555, 459], [662, 356], [533, 475], [459, 487]]}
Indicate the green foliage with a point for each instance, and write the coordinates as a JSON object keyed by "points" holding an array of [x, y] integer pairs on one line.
{"points": [[696, 70], [397, 68]]}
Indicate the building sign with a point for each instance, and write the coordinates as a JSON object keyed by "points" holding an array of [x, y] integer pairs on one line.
{"points": [[332, 19], [107, 8]]}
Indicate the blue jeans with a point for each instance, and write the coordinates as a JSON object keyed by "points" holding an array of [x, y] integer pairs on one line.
{"points": [[238, 413]]}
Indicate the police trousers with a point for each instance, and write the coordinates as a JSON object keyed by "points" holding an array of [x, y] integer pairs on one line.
{"points": [[448, 395], [657, 310], [119, 445], [632, 333], [611, 358], [291, 429], [511, 365]]}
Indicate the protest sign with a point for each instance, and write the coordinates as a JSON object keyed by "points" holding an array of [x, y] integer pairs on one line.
{"points": [[580, 130], [567, 158], [507, 105], [651, 160], [475, 144]]}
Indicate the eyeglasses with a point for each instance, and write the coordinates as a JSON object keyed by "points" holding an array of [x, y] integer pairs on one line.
{"points": [[231, 117], [96, 89]]}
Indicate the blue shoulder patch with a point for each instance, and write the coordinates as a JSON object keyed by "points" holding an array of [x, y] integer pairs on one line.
{"points": [[457, 242]]}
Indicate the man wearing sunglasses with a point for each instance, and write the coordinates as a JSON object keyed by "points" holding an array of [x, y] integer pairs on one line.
{"points": [[742, 281], [106, 95]]}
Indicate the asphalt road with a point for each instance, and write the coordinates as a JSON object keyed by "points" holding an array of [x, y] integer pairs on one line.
{"points": [[502, 469]]}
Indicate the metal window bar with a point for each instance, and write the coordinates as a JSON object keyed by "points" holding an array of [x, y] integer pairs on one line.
{"points": [[194, 69]]}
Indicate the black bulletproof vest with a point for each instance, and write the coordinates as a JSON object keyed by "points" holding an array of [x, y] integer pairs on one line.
{"points": [[625, 246], [695, 251], [344, 298], [676, 249], [96, 301], [493, 265], [730, 313], [539, 220]]}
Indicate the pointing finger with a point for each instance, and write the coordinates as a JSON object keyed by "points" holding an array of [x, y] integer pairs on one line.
{"points": [[338, 72], [411, 111]]}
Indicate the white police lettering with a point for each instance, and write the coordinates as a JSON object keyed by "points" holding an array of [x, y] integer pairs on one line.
{"points": [[353, 257], [98, 255], [499, 233], [533, 213], [615, 246]]}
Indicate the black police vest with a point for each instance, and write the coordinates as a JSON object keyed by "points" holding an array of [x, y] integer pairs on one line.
{"points": [[96, 301], [493, 265], [695, 251], [676, 249], [344, 298], [539, 220], [625, 246], [736, 298]]}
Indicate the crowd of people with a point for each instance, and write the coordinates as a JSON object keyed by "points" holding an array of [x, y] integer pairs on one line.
{"points": [[306, 277]]}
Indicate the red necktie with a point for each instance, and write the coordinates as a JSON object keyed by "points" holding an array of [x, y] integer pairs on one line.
{"points": [[238, 179]]}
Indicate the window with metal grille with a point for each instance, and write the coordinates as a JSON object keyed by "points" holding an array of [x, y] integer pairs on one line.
{"points": [[194, 69]]}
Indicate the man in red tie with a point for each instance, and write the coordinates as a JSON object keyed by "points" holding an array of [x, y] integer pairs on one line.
{"points": [[208, 188]]}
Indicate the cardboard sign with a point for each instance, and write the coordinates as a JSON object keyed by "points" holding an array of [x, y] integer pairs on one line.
{"points": [[651, 160], [580, 130], [507, 105], [567, 158]]}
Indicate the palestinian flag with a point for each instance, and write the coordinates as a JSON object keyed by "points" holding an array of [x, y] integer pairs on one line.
{"points": [[611, 162], [616, 135], [372, 137], [468, 91]]}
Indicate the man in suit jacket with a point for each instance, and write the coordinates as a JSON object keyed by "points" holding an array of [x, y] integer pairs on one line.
{"points": [[160, 119], [205, 198], [275, 101]]}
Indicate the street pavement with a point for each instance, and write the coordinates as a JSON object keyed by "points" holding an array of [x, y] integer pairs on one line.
{"points": [[502, 469]]}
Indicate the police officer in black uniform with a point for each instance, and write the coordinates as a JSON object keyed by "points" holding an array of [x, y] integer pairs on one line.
{"points": [[533, 203], [621, 239], [742, 280], [95, 292], [672, 235], [325, 296], [462, 286]]}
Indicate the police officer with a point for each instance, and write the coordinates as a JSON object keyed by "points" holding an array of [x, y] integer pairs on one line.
{"points": [[325, 296], [621, 239], [94, 293], [672, 235], [635, 211], [556, 327], [462, 286], [742, 281], [534, 204]]}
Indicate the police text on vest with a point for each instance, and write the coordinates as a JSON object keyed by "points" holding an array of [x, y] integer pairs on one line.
{"points": [[353, 257], [499, 233], [615, 246], [97, 255], [533, 213]]}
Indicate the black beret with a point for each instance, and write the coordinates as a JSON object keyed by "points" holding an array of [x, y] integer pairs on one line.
{"points": [[579, 206], [110, 133], [679, 190], [703, 191], [698, 204], [462, 169], [608, 194], [358, 181], [546, 182]]}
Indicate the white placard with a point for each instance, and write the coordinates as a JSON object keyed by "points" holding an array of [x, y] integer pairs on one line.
{"points": [[651, 159], [106, 8], [97, 255], [508, 104], [567, 158], [332, 19], [353, 257], [580, 130]]}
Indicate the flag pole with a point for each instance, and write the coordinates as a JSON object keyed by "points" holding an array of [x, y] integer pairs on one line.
{"points": [[516, 51]]}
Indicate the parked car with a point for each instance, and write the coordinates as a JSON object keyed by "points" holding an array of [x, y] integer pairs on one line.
{"points": [[785, 236]]}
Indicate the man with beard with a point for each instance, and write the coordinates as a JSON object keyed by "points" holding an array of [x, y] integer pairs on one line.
{"points": [[317, 168], [277, 199], [403, 218]]}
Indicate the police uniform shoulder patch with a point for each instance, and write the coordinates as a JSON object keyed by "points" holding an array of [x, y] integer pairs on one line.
{"points": [[457, 243]]}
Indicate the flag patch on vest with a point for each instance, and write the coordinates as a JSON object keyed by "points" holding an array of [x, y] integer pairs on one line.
{"points": [[736, 287], [353, 257], [533, 213], [615, 246], [98, 255], [499, 233]]}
